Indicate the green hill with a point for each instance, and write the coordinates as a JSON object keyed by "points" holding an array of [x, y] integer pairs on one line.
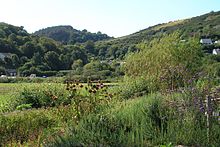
{"points": [[204, 26], [69, 35]]}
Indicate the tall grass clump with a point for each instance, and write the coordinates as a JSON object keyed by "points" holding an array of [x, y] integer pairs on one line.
{"points": [[19, 128], [135, 87], [8, 103]]}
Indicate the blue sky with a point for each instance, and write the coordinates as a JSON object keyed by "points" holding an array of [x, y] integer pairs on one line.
{"points": [[113, 17]]}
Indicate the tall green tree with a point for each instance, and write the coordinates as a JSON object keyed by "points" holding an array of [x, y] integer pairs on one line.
{"points": [[37, 59], [90, 47], [15, 61], [52, 59], [77, 64], [28, 49], [166, 59]]}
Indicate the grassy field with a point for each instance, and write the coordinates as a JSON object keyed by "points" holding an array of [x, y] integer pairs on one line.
{"points": [[7, 93], [54, 106], [89, 115]]}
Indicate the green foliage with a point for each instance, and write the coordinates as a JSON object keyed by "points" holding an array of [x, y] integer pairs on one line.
{"points": [[94, 119], [95, 70], [52, 59], [8, 103], [87, 98], [36, 55], [2, 70], [83, 45], [173, 77], [77, 65], [44, 95], [24, 106], [211, 65], [66, 34], [132, 88], [28, 49], [90, 47], [168, 61], [159, 54], [33, 80]]}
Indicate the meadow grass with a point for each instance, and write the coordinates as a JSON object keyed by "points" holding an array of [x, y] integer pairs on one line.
{"points": [[150, 120], [9, 93], [52, 116]]}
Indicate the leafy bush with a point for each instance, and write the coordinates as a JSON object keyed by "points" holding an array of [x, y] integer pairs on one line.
{"points": [[44, 95], [136, 87], [24, 106], [87, 98]]}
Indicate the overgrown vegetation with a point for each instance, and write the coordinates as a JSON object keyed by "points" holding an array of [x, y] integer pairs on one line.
{"points": [[169, 96]]}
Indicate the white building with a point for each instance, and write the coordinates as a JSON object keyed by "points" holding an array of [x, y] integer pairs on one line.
{"points": [[216, 51]]}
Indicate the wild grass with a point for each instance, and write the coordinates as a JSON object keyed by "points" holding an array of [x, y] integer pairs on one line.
{"points": [[147, 121], [88, 115], [12, 94], [40, 111]]}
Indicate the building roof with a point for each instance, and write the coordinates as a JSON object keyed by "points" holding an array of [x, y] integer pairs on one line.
{"points": [[206, 41], [11, 70]]}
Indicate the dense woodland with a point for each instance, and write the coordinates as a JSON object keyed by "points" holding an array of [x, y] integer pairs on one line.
{"points": [[31, 54]]}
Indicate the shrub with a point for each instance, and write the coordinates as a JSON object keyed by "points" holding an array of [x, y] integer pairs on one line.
{"points": [[86, 98], [24, 106], [44, 95]]}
